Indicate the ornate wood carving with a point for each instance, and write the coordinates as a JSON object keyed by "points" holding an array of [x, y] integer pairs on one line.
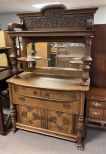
{"points": [[59, 17], [13, 117], [59, 121], [33, 116], [80, 132]]}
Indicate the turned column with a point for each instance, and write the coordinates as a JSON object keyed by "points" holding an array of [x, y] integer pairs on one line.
{"points": [[12, 110], [2, 128], [86, 61], [80, 132], [13, 58], [81, 129]]}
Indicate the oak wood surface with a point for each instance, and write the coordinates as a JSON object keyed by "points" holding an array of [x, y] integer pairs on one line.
{"points": [[48, 83]]}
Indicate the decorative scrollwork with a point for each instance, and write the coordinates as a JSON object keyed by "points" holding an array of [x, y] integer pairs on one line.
{"points": [[59, 113], [53, 119], [35, 116], [66, 121], [29, 108], [58, 18], [66, 105], [22, 98], [24, 114]]}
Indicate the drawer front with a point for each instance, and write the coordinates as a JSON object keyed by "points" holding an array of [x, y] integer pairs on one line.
{"points": [[60, 122], [26, 91], [60, 95], [96, 113], [98, 104], [104, 117], [71, 107]]}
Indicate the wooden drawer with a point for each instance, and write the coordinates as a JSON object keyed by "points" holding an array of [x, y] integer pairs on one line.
{"points": [[95, 113], [26, 91], [60, 95], [104, 116], [71, 107], [98, 104], [60, 122]]}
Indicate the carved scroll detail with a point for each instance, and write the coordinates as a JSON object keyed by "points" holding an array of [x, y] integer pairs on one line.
{"points": [[57, 18]]}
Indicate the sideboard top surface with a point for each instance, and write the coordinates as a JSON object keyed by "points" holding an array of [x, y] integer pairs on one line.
{"points": [[33, 80]]}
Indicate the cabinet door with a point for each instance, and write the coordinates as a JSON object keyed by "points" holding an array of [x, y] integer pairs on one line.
{"points": [[60, 122], [31, 116]]}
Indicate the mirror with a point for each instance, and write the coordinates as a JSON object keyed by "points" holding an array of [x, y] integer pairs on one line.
{"points": [[58, 54]]}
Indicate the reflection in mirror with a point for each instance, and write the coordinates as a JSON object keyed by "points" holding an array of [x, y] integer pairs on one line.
{"points": [[59, 54]]}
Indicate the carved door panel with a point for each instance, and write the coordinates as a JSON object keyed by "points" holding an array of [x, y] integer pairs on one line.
{"points": [[34, 117], [60, 122]]}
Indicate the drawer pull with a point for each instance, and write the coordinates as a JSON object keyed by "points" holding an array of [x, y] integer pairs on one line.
{"points": [[97, 104], [22, 98], [66, 105], [96, 113]]}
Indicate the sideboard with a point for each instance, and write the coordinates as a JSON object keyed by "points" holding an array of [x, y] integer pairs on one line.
{"points": [[51, 100]]}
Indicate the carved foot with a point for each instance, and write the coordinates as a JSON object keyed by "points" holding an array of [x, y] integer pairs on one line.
{"points": [[14, 130], [80, 147], [13, 118]]}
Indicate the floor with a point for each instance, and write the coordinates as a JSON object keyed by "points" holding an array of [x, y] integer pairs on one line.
{"points": [[23, 142]]}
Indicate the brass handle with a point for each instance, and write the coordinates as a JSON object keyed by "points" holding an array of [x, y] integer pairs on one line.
{"points": [[97, 104], [22, 98], [96, 113], [66, 105]]}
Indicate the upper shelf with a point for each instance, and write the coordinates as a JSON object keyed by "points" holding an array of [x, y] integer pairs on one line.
{"points": [[52, 32]]}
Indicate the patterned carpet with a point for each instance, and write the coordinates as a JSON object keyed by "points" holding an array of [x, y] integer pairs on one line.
{"points": [[23, 142]]}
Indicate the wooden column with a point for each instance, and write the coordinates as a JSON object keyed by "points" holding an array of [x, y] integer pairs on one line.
{"points": [[13, 58], [81, 124], [86, 61], [2, 130], [12, 110]]}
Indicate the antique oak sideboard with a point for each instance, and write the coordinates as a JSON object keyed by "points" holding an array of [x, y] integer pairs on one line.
{"points": [[51, 101]]}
